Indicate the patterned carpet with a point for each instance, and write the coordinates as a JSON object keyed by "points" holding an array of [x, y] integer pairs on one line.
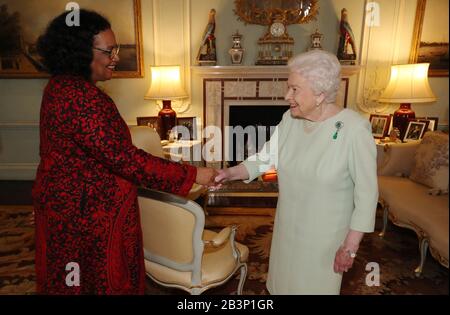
{"points": [[397, 256]]}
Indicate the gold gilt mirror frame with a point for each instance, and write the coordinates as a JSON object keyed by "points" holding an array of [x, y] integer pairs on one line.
{"points": [[264, 12]]}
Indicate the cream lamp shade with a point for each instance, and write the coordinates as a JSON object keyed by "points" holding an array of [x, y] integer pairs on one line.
{"points": [[407, 84], [165, 84]]}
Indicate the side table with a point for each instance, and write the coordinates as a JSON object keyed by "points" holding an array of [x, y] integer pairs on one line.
{"points": [[189, 151]]}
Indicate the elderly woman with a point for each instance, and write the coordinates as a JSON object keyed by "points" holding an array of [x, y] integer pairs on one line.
{"points": [[88, 233], [325, 158]]}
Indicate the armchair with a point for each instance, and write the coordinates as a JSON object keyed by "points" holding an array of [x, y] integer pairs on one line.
{"points": [[179, 253], [413, 191], [147, 139]]}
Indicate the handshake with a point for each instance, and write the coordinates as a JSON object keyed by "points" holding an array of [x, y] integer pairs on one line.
{"points": [[215, 178], [210, 177]]}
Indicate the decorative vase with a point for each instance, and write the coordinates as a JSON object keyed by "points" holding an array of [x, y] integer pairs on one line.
{"points": [[402, 117], [166, 119], [316, 40], [236, 52]]}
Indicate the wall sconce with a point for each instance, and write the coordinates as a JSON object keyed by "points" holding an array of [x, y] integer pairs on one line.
{"points": [[166, 86], [407, 84]]}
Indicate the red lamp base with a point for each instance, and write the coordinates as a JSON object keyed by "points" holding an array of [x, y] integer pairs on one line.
{"points": [[402, 117], [166, 119]]}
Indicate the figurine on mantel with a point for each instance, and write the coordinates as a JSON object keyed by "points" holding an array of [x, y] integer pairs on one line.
{"points": [[346, 39], [207, 52], [236, 52], [316, 39]]}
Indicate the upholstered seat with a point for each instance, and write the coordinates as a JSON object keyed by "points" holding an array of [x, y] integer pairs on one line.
{"points": [[211, 259], [411, 204], [147, 139], [179, 252]]}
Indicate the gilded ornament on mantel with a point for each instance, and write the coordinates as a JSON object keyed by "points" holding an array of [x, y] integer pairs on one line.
{"points": [[236, 52], [275, 46], [264, 12]]}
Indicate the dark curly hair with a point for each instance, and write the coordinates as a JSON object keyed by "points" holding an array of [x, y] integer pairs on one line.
{"points": [[68, 49]]}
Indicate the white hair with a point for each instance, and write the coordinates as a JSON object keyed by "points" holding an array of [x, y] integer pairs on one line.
{"points": [[322, 70]]}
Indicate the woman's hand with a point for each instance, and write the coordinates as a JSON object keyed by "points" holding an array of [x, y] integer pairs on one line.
{"points": [[343, 260], [205, 176], [222, 176], [238, 172]]}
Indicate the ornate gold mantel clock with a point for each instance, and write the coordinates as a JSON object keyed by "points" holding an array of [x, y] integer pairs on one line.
{"points": [[275, 46]]}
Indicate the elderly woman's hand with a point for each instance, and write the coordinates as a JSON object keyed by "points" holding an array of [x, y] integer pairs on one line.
{"points": [[205, 176], [343, 260], [238, 172], [221, 177]]}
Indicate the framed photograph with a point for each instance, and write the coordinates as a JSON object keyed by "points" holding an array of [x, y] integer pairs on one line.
{"points": [[22, 22], [191, 124], [415, 130], [391, 123], [432, 122], [151, 121], [430, 36], [380, 125]]}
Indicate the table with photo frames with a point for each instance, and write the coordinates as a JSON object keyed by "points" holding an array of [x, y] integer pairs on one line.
{"points": [[189, 150]]}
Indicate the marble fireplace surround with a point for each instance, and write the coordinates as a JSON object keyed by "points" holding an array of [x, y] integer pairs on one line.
{"points": [[225, 86]]}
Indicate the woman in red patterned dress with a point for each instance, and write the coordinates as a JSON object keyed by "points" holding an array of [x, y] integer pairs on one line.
{"points": [[85, 195]]}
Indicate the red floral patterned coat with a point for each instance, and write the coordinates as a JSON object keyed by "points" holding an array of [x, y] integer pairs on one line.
{"points": [[85, 197]]}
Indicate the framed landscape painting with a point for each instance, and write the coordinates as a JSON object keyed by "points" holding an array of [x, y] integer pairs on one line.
{"points": [[430, 37], [22, 22]]}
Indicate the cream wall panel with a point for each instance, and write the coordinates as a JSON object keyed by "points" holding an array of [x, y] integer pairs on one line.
{"points": [[169, 32], [19, 150]]}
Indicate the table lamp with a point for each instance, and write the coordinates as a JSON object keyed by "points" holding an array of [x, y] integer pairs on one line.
{"points": [[407, 84], [166, 86]]}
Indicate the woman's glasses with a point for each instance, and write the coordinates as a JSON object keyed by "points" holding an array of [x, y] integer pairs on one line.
{"points": [[113, 53]]}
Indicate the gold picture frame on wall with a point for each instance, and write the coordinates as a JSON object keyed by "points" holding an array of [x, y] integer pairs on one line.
{"points": [[28, 20], [263, 12], [429, 44]]}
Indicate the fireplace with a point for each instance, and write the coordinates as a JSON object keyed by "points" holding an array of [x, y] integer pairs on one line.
{"points": [[254, 88], [250, 127]]}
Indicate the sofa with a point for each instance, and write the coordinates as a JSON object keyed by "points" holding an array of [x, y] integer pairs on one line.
{"points": [[413, 192]]}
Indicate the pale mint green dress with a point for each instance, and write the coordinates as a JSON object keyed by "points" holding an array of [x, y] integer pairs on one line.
{"points": [[326, 187]]}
